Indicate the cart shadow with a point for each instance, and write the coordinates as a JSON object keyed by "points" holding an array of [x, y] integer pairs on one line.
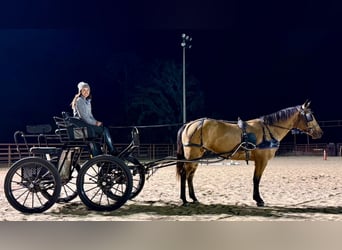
{"points": [[220, 211]]}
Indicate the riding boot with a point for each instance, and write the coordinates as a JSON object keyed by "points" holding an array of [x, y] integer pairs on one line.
{"points": [[108, 139], [95, 149]]}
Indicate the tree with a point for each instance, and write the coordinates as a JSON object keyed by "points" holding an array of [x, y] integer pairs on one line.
{"points": [[157, 97]]}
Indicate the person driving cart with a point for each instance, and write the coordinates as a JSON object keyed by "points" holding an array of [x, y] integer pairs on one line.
{"points": [[82, 109]]}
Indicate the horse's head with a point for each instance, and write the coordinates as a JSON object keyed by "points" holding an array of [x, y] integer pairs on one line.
{"points": [[307, 123]]}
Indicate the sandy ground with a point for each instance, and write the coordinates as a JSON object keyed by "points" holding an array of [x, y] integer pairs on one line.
{"points": [[293, 188]]}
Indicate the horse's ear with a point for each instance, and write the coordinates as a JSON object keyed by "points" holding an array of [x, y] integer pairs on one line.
{"points": [[306, 104]]}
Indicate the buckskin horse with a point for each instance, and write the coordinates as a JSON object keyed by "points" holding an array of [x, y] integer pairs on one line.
{"points": [[255, 140]]}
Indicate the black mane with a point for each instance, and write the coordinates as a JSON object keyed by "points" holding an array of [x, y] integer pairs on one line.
{"points": [[280, 115]]}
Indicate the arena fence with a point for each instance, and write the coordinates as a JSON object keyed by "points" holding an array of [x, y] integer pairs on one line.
{"points": [[9, 153], [316, 149]]}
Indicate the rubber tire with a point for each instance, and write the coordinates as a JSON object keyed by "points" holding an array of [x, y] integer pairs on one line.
{"points": [[90, 183], [11, 193]]}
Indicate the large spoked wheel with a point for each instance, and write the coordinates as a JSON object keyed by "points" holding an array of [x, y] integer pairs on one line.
{"points": [[69, 188], [32, 185], [138, 175], [104, 183]]}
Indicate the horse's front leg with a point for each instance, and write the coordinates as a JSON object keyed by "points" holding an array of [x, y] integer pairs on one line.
{"points": [[256, 193], [259, 169]]}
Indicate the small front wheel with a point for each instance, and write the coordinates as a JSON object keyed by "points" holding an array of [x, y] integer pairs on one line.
{"points": [[32, 185], [138, 175], [104, 183]]}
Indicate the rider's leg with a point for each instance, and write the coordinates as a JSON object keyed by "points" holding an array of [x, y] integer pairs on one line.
{"points": [[95, 149], [108, 139]]}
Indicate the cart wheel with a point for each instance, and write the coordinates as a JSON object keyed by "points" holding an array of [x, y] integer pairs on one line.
{"points": [[138, 175], [69, 188], [104, 183], [32, 185]]}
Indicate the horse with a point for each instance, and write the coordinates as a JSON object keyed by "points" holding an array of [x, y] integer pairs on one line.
{"points": [[255, 140]]}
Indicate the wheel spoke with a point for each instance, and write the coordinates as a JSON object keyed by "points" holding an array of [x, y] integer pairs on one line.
{"points": [[99, 178], [32, 185]]}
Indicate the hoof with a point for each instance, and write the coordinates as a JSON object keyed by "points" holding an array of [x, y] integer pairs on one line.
{"points": [[186, 204], [260, 204], [195, 202]]}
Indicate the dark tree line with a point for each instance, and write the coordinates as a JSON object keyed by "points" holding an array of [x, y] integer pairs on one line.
{"points": [[152, 94]]}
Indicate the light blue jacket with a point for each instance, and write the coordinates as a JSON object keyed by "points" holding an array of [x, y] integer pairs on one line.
{"points": [[83, 110]]}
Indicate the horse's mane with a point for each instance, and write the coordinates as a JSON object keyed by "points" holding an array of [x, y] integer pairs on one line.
{"points": [[280, 115]]}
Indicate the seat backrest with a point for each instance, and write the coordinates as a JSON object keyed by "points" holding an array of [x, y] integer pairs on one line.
{"points": [[62, 129], [72, 129], [38, 129]]}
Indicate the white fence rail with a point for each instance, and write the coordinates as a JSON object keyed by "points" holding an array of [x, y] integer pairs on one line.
{"points": [[9, 153]]}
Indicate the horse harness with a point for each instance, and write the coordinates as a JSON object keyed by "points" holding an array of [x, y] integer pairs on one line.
{"points": [[248, 141]]}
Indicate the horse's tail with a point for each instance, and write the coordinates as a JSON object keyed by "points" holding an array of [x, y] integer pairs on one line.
{"points": [[180, 152]]}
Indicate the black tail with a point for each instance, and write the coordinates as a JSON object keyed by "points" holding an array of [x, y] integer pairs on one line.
{"points": [[180, 152]]}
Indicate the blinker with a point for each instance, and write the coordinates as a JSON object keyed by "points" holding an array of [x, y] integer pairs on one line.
{"points": [[308, 117]]}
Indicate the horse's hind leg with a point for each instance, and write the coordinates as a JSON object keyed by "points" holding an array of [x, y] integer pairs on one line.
{"points": [[191, 189], [182, 186], [190, 182]]}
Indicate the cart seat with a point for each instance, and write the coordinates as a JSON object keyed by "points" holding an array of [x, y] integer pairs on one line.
{"points": [[45, 150], [73, 129]]}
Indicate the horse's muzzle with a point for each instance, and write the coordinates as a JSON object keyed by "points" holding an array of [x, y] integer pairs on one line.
{"points": [[315, 133]]}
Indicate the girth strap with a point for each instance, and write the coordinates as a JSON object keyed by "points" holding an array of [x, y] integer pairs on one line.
{"points": [[246, 144]]}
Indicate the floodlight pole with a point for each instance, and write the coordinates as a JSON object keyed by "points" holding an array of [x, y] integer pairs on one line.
{"points": [[185, 44], [184, 88]]}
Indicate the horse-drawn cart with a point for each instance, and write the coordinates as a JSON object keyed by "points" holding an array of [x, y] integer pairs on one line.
{"points": [[105, 182], [48, 175]]}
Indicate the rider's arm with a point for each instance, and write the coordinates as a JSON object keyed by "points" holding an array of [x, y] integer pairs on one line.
{"points": [[83, 108]]}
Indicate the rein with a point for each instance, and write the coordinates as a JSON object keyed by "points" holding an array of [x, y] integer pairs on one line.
{"points": [[270, 133], [308, 117], [289, 129], [277, 126]]}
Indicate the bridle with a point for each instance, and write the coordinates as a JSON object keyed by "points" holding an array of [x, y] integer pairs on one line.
{"points": [[308, 118]]}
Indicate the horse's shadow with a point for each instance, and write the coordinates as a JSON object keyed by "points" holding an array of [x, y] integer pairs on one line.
{"points": [[217, 211]]}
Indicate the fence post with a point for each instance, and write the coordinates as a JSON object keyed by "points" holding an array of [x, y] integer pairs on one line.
{"points": [[9, 155]]}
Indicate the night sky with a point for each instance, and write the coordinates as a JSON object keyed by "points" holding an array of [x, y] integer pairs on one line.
{"points": [[250, 58]]}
